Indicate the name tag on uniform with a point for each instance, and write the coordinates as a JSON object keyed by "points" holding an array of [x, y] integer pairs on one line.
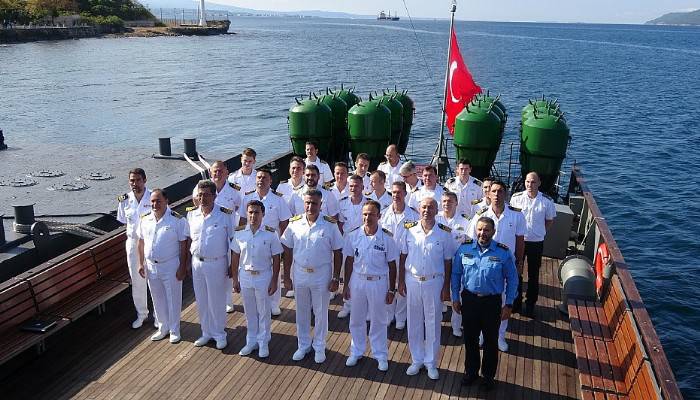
{"points": [[494, 258], [378, 247], [466, 258]]}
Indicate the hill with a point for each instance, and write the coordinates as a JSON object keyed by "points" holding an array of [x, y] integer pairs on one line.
{"points": [[678, 18], [191, 4]]}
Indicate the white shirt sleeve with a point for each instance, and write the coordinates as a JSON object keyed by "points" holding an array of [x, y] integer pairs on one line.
{"points": [[337, 239], [139, 231], [284, 213], [233, 245], [287, 238], [121, 216], [332, 203], [471, 229], [275, 245], [184, 230], [326, 171], [392, 251], [521, 225], [550, 211], [348, 247], [403, 241]]}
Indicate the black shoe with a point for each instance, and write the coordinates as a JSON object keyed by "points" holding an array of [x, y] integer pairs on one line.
{"points": [[487, 384], [530, 311], [467, 380], [517, 307]]}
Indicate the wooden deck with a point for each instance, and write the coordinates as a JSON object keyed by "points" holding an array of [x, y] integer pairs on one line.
{"points": [[100, 357]]}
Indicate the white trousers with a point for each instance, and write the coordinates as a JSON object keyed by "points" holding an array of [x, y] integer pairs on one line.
{"points": [[424, 319], [209, 282], [256, 306], [277, 296], [139, 287], [397, 309], [368, 299], [316, 297], [166, 293]]}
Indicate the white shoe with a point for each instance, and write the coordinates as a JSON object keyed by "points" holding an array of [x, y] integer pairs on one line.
{"points": [[221, 343], [276, 311], [138, 323], [263, 352], [202, 341], [383, 365], [352, 361], [160, 335], [229, 308], [481, 340], [343, 313], [457, 332], [502, 344], [299, 354], [289, 294], [414, 369], [174, 338], [156, 325], [400, 325], [320, 357], [247, 349], [433, 373]]}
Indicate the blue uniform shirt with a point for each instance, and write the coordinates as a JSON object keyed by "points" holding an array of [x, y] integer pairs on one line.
{"points": [[484, 272]]}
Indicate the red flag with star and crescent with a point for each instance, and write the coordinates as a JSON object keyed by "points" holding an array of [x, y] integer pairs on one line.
{"points": [[461, 87]]}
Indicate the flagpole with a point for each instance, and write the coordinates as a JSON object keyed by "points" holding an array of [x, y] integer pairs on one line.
{"points": [[440, 155]]}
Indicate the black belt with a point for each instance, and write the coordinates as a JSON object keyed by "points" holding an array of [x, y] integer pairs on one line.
{"points": [[485, 295]]}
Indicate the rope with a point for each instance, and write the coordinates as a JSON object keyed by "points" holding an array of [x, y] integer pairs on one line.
{"points": [[81, 230], [420, 48]]}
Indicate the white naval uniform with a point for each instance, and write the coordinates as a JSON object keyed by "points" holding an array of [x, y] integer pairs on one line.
{"points": [[384, 200], [394, 222], [536, 212], [393, 174], [312, 269], [365, 180], [418, 195], [369, 284], [351, 217], [424, 277], [326, 175], [210, 262], [276, 211], [129, 212], [339, 194], [255, 275], [287, 189], [329, 204], [508, 226], [466, 193], [161, 250], [246, 182], [458, 224]]}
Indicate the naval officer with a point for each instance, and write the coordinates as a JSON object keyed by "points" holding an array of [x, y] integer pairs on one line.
{"points": [[325, 173], [339, 187], [255, 267], [296, 179], [510, 231], [276, 216], [424, 278], [479, 270], [430, 188], [362, 168], [245, 176], [211, 229], [329, 206], [393, 219], [162, 257], [312, 257], [132, 206], [539, 212], [467, 188], [379, 193], [391, 167]]}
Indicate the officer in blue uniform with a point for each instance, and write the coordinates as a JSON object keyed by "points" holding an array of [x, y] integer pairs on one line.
{"points": [[479, 270]]}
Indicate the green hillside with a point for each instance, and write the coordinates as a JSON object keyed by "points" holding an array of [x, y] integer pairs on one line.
{"points": [[678, 18], [93, 11]]}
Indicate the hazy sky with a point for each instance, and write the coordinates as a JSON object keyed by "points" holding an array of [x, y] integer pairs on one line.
{"points": [[604, 11]]}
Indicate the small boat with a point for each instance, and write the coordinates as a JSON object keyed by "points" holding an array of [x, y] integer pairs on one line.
{"points": [[387, 16]]}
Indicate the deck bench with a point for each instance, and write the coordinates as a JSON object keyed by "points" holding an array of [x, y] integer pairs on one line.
{"points": [[610, 356]]}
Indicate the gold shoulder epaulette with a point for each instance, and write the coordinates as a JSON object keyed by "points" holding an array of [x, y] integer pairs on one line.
{"points": [[475, 202], [327, 185], [478, 182], [343, 198], [284, 181], [239, 228], [235, 186], [190, 208], [483, 210], [409, 224], [250, 192], [451, 180], [501, 245], [226, 210], [445, 227], [298, 187], [267, 228], [514, 208], [145, 214], [175, 214], [468, 240], [122, 197], [277, 193], [518, 194], [368, 193], [388, 232], [295, 218], [330, 219]]}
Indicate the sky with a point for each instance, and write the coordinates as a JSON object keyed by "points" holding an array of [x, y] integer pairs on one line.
{"points": [[592, 11]]}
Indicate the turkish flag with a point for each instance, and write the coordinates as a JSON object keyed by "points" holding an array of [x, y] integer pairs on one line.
{"points": [[461, 87]]}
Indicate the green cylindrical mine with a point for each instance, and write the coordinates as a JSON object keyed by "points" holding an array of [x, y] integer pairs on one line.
{"points": [[311, 120], [543, 143], [339, 114], [396, 109], [349, 97], [409, 108], [369, 126], [477, 137]]}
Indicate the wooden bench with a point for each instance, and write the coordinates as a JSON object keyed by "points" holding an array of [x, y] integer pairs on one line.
{"points": [[610, 355], [62, 290]]}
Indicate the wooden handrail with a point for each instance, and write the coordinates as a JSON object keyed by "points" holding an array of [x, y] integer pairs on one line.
{"points": [[650, 340]]}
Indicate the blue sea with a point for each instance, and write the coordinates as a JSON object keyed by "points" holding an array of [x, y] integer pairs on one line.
{"points": [[631, 95]]}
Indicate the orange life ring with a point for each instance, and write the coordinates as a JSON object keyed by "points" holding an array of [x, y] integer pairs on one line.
{"points": [[602, 257]]}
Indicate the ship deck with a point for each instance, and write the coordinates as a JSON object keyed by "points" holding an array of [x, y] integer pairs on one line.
{"points": [[100, 357]]}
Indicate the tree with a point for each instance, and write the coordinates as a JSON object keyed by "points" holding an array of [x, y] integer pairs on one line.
{"points": [[42, 8]]}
